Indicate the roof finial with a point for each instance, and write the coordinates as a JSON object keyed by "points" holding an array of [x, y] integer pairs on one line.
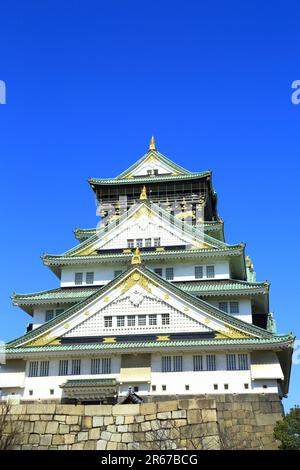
{"points": [[152, 144], [143, 195], [136, 258]]}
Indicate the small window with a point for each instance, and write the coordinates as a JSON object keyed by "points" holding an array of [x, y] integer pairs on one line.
{"points": [[107, 322], [31, 392], [78, 279], [117, 273], [234, 307], [89, 278], [210, 271], [165, 319], [187, 387], [33, 369], [223, 306], [243, 361], [51, 391], [177, 363], [49, 315], [155, 171], [63, 367], [139, 242], [142, 320], [152, 320], [246, 386], [231, 361], [130, 243], [153, 388], [197, 363], [158, 271], [147, 242], [216, 387], [166, 363], [198, 272], [120, 321], [265, 386], [59, 311], [106, 365], [76, 366], [95, 366], [131, 320], [226, 387], [169, 274], [44, 369], [157, 241], [149, 172], [164, 388], [135, 388], [210, 362]]}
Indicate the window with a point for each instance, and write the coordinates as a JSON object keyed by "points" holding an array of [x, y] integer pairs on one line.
{"points": [[78, 279], [31, 392], [106, 365], [147, 242], [198, 272], [243, 361], [234, 307], [44, 368], [120, 321], [149, 172], [265, 386], [164, 388], [216, 387], [226, 387], [157, 241], [155, 171], [230, 361], [165, 319], [76, 366], [169, 274], [49, 315], [152, 320], [95, 366], [153, 388], [63, 367], [246, 386], [107, 322], [89, 278], [33, 369], [130, 243], [177, 363], [187, 387], [158, 271], [135, 388], [131, 320], [197, 363], [59, 311], [51, 391], [139, 242], [166, 364], [210, 271], [117, 273], [142, 320], [210, 362], [223, 306]]}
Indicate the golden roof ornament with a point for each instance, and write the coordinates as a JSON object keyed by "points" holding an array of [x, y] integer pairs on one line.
{"points": [[143, 195], [249, 263], [152, 144], [136, 258]]}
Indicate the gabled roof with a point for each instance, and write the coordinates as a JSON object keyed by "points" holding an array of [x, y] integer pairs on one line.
{"points": [[147, 179]]}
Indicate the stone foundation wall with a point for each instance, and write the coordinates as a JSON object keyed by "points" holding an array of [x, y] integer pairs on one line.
{"points": [[214, 422]]}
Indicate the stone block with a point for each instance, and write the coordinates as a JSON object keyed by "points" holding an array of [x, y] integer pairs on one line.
{"points": [[163, 406], [83, 436], [63, 429], [28, 427], [150, 417], [112, 446], [105, 435], [46, 440], [70, 410], [180, 422], [87, 422], [127, 437], [116, 437], [123, 428], [74, 428], [40, 427], [72, 419], [58, 439], [60, 418], [121, 446], [126, 410], [164, 415], [149, 408], [34, 417], [18, 410], [52, 427], [146, 426], [101, 445], [129, 419], [267, 418], [98, 410], [89, 445], [46, 417], [94, 433], [209, 415], [194, 416], [69, 439], [108, 420], [78, 446], [120, 420], [179, 414], [40, 409], [111, 428], [139, 419], [133, 446]]}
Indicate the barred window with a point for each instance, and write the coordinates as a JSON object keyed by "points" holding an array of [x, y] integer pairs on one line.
{"points": [[231, 361], [198, 272], [197, 363], [223, 306], [33, 369], [210, 271], [89, 278], [158, 271], [139, 242], [130, 243], [142, 320], [63, 367], [59, 311], [117, 273], [210, 362], [106, 365], [147, 242], [152, 320], [107, 322], [177, 363], [243, 361], [121, 321], [166, 364], [95, 366], [165, 319], [44, 368], [234, 307], [157, 241], [78, 279], [76, 366], [49, 315], [131, 320], [169, 274]]}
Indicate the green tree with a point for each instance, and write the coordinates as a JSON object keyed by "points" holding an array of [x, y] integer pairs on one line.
{"points": [[288, 430]]}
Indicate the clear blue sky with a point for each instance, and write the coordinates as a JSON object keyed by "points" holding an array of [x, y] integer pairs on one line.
{"points": [[88, 82]]}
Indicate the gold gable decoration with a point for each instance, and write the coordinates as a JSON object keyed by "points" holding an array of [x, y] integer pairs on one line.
{"points": [[44, 340], [136, 258], [136, 278], [231, 333]]}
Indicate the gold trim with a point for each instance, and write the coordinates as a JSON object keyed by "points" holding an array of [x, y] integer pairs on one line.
{"points": [[163, 338]]}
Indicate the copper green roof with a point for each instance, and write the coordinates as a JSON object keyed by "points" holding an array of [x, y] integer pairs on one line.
{"points": [[147, 179], [88, 382]]}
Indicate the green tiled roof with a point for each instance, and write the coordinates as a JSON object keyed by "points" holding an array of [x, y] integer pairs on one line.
{"points": [[147, 179], [88, 383]]}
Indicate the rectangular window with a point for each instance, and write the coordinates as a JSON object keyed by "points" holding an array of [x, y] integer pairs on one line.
{"points": [[243, 361], [152, 320], [166, 364], [78, 279], [234, 307], [165, 319], [117, 273], [63, 367], [147, 242], [197, 363], [120, 321], [226, 387], [106, 365], [89, 278], [33, 369], [215, 386], [107, 322], [223, 306], [44, 368], [155, 171], [246, 386], [139, 242], [158, 271], [198, 272], [96, 366], [76, 366], [49, 315], [169, 274], [231, 361], [131, 320], [210, 271], [177, 363], [164, 388], [153, 388], [187, 387], [59, 311], [142, 320], [130, 243], [157, 241], [210, 362]]}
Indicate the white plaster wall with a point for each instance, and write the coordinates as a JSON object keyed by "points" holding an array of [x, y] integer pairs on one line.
{"points": [[245, 308], [102, 274]]}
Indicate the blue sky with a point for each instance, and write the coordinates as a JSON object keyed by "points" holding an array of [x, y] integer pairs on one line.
{"points": [[89, 82]]}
